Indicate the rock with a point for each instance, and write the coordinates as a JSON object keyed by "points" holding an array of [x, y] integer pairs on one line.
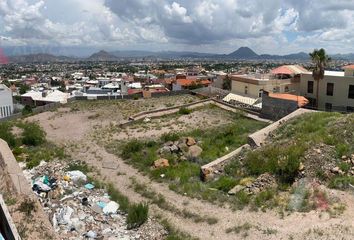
{"points": [[335, 170], [318, 151], [174, 149], [207, 174], [161, 163], [194, 151], [146, 120], [165, 150], [190, 141], [169, 143], [301, 167], [183, 147], [344, 157], [236, 189]]}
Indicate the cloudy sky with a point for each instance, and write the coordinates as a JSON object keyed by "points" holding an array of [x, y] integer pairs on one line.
{"points": [[218, 26]]}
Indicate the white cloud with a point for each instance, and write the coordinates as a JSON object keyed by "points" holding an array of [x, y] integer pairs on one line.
{"points": [[213, 25]]}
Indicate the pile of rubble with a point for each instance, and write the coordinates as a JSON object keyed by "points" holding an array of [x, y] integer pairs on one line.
{"points": [[80, 210], [261, 183], [184, 149]]}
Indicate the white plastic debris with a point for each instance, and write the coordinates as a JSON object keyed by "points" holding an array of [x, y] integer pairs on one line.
{"points": [[110, 208], [77, 176], [91, 234], [64, 215]]}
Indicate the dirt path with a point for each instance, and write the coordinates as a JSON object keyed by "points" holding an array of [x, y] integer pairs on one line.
{"points": [[267, 225], [263, 225]]}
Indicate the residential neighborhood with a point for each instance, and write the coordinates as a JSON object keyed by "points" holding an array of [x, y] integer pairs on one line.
{"points": [[176, 120]]}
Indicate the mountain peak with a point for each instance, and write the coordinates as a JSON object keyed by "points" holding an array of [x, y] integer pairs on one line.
{"points": [[243, 53]]}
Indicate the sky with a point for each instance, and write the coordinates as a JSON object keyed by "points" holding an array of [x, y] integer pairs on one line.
{"points": [[214, 26]]}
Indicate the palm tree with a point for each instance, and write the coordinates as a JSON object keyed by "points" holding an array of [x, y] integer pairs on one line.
{"points": [[320, 59]]}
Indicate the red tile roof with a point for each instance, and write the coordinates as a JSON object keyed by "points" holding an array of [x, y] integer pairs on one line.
{"points": [[349, 67], [301, 101]]}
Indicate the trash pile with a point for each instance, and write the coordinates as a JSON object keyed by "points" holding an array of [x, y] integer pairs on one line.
{"points": [[76, 208]]}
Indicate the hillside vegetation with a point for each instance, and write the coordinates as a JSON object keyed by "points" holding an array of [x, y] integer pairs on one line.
{"points": [[305, 156]]}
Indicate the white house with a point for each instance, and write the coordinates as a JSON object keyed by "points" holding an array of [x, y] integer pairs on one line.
{"points": [[6, 102]]}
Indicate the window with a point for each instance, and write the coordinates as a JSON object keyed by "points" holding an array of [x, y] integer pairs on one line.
{"points": [[286, 89], [246, 90], [351, 92], [350, 109], [328, 106], [330, 88], [310, 87], [260, 93]]}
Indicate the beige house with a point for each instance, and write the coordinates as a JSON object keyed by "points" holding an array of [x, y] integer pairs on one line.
{"points": [[336, 90], [284, 79]]}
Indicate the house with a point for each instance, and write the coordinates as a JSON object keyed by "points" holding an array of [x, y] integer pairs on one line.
{"points": [[36, 98], [6, 102], [284, 79], [336, 90]]}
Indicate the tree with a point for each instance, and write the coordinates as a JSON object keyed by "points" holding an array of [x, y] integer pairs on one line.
{"points": [[226, 84], [320, 59]]}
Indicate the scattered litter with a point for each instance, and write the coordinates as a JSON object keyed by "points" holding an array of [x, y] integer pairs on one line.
{"points": [[76, 208], [89, 186], [91, 234], [110, 208], [101, 204]]}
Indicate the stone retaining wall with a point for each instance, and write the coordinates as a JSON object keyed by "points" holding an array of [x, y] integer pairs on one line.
{"points": [[210, 170], [10, 168]]}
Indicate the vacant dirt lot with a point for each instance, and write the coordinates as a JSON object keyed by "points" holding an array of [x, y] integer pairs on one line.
{"points": [[80, 125]]}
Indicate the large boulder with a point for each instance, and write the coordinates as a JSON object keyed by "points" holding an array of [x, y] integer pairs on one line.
{"points": [[161, 163], [190, 141], [194, 151]]}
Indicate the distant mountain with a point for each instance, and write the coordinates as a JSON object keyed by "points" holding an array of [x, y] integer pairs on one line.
{"points": [[102, 56], [243, 53], [40, 57]]}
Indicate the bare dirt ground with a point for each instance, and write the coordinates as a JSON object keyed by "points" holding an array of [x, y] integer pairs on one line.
{"points": [[75, 129]]}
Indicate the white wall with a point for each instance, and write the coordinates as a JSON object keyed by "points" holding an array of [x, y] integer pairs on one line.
{"points": [[6, 103]]}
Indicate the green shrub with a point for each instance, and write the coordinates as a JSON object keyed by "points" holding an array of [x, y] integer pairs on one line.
{"points": [[79, 166], [265, 199], [28, 206], [224, 183], [137, 215], [282, 161], [118, 197], [184, 111], [131, 147], [341, 182], [173, 136], [33, 134], [27, 110], [6, 134], [241, 200]]}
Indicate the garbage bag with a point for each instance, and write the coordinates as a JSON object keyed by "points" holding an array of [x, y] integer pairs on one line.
{"points": [[77, 176], [64, 215], [110, 208]]}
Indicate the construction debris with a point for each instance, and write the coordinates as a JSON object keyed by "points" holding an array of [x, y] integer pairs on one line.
{"points": [[80, 210]]}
